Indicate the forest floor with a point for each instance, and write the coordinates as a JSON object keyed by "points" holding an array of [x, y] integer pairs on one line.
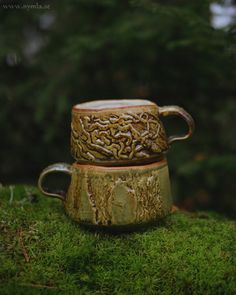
{"points": [[42, 251]]}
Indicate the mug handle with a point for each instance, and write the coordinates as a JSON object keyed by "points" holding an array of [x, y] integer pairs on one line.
{"points": [[175, 110], [54, 168]]}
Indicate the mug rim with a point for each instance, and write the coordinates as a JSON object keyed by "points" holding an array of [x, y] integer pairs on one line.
{"points": [[124, 104]]}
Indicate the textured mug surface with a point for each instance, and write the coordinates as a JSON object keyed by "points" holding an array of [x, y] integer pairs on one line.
{"points": [[122, 132], [113, 196]]}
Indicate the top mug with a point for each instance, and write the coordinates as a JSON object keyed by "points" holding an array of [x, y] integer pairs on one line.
{"points": [[122, 132]]}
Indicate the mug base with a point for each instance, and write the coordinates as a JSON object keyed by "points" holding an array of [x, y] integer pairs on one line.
{"points": [[123, 163], [125, 229]]}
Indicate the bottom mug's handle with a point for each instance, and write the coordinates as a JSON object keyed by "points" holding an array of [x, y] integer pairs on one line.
{"points": [[57, 167]]}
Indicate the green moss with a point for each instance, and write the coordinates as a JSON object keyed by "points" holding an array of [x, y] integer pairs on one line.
{"points": [[43, 251]]}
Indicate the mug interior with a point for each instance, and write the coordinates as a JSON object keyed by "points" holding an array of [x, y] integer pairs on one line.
{"points": [[113, 103]]}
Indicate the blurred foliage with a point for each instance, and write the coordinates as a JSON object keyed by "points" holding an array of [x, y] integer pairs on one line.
{"points": [[166, 51]]}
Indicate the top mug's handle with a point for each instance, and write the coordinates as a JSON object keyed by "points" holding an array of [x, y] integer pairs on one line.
{"points": [[175, 110], [58, 167]]}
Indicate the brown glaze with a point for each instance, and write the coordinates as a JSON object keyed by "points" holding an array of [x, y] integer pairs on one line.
{"points": [[122, 132]]}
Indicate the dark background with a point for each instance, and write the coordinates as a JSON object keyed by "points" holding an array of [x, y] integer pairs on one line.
{"points": [[170, 52]]}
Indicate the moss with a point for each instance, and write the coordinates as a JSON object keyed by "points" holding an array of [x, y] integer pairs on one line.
{"points": [[43, 251]]}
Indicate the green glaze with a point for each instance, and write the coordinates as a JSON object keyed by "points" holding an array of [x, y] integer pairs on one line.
{"points": [[114, 196]]}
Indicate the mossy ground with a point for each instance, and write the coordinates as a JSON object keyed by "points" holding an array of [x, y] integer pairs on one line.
{"points": [[44, 252]]}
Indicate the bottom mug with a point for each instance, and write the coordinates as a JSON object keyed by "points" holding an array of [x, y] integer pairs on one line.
{"points": [[112, 197]]}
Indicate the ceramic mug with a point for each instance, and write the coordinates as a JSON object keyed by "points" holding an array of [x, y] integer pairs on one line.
{"points": [[122, 132], [113, 196]]}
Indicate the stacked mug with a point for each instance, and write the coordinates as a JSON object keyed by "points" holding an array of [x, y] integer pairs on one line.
{"points": [[120, 175]]}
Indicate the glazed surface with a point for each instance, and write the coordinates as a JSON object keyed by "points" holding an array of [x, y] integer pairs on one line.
{"points": [[112, 137], [119, 196]]}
